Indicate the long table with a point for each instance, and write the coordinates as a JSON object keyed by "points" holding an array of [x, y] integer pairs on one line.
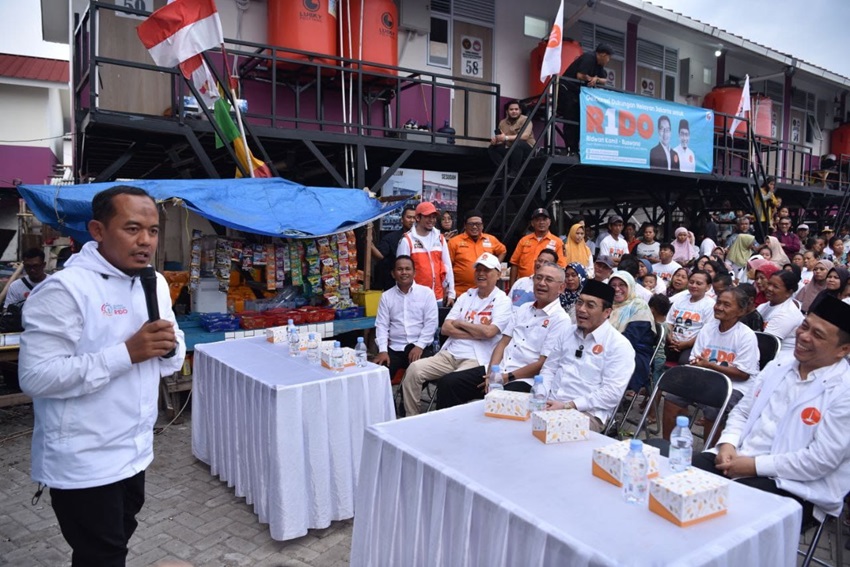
{"points": [[285, 434], [454, 487]]}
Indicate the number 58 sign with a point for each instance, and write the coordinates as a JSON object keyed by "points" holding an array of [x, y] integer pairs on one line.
{"points": [[471, 57]]}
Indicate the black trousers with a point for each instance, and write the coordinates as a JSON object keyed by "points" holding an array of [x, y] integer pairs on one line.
{"points": [[568, 109], [705, 461], [98, 522], [461, 387], [399, 359], [497, 155]]}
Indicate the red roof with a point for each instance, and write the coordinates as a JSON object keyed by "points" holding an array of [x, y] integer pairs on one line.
{"points": [[33, 68]]}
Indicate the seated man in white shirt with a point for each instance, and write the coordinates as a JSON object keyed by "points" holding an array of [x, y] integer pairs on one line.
{"points": [[518, 353], [20, 289], [789, 433], [523, 289], [406, 321], [474, 327], [589, 365]]}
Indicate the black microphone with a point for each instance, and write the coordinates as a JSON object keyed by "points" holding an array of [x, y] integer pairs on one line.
{"points": [[579, 351], [148, 278]]}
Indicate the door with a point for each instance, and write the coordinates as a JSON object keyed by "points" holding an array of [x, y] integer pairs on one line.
{"points": [[472, 57]]}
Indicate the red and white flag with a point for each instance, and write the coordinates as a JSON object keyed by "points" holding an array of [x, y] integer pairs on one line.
{"points": [[180, 30], [196, 70], [743, 107], [552, 58]]}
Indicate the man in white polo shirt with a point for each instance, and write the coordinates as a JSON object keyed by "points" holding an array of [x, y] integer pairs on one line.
{"points": [[406, 321], [474, 327], [519, 352], [614, 245], [589, 365]]}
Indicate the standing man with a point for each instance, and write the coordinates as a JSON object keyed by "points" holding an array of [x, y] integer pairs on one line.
{"points": [[587, 70], [530, 246], [468, 246], [474, 327], [614, 245], [20, 289], [662, 155], [687, 161], [92, 363], [406, 321], [742, 226], [589, 365], [518, 353], [509, 135], [790, 242], [788, 435], [430, 253], [386, 249]]}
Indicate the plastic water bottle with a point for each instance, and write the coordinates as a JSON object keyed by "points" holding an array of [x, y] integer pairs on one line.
{"points": [[635, 469], [360, 352], [336, 357], [294, 339], [313, 349], [435, 346], [538, 395], [495, 381], [681, 445]]}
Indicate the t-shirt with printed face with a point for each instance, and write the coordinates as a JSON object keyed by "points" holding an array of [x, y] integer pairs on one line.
{"points": [[688, 317]]}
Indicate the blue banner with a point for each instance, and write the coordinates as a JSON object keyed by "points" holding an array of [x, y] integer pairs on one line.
{"points": [[628, 130]]}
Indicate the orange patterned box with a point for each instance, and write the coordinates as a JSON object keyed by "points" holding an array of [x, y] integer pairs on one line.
{"points": [[689, 497], [560, 426], [507, 405], [608, 461]]}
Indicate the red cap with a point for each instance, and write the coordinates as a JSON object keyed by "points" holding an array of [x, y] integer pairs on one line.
{"points": [[425, 209]]}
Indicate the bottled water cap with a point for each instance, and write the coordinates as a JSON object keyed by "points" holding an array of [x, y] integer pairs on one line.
{"points": [[682, 420], [495, 368], [359, 339], [636, 445], [538, 378], [336, 344], [291, 322]]}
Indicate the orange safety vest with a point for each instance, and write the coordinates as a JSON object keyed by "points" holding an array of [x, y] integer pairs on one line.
{"points": [[429, 266]]}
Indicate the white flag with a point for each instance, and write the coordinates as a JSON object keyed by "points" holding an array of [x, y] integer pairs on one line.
{"points": [[552, 58], [743, 107]]}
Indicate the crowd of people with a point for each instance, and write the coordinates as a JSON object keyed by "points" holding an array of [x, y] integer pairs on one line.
{"points": [[589, 315]]}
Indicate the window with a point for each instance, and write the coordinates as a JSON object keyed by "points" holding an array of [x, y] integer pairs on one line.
{"points": [[592, 35], [536, 27], [439, 53], [658, 69]]}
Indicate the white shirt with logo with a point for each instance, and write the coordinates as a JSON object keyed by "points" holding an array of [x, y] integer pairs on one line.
{"points": [[495, 309], [686, 318], [736, 347], [665, 271], [613, 248], [530, 329]]}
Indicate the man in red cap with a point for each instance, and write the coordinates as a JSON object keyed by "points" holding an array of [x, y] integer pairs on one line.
{"points": [[530, 246], [430, 254]]}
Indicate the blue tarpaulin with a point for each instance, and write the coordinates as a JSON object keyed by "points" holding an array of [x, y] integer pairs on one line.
{"points": [[274, 207]]}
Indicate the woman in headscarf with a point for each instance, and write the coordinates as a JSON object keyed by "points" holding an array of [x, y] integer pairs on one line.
{"points": [[632, 317], [709, 240], [777, 254], [576, 249], [763, 270], [683, 249], [739, 253], [574, 278], [818, 283], [836, 281], [645, 269]]}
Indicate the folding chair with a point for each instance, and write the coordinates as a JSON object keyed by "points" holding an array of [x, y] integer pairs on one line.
{"points": [[809, 553], [700, 386], [769, 346], [661, 334]]}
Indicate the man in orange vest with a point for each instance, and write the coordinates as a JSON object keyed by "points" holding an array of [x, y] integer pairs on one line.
{"points": [[529, 246], [430, 253], [468, 246]]}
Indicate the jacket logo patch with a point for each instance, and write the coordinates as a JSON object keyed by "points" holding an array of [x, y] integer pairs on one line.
{"points": [[597, 349], [109, 310], [810, 416]]}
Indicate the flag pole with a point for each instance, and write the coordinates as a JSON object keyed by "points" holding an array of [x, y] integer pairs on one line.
{"points": [[248, 162], [555, 84]]}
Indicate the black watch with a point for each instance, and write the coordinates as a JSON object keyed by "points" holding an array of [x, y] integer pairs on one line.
{"points": [[511, 377]]}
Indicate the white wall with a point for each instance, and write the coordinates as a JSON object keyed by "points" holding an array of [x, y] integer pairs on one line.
{"points": [[32, 114]]}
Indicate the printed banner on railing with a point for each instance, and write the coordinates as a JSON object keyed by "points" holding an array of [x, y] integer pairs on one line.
{"points": [[635, 131]]}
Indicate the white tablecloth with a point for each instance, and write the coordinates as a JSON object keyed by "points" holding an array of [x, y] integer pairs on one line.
{"points": [[285, 434], [456, 488]]}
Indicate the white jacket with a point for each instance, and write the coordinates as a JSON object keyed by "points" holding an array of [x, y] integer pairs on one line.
{"points": [[809, 457], [94, 409]]}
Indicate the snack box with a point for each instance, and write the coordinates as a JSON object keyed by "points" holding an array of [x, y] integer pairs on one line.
{"points": [[689, 497], [560, 426], [507, 405], [347, 356], [277, 335], [608, 461]]}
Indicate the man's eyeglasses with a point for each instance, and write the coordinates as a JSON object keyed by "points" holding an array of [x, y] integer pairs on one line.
{"points": [[475, 224]]}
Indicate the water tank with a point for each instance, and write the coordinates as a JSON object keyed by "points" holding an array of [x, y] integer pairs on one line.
{"points": [[306, 25], [726, 100], [840, 140], [570, 51], [379, 19]]}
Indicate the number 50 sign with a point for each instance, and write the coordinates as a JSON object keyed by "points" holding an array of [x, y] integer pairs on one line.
{"points": [[146, 5], [471, 57]]}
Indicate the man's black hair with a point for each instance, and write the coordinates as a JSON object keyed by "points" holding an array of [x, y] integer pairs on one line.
{"points": [[660, 303], [719, 267], [605, 48], [408, 208], [102, 206], [511, 103], [629, 263], [549, 251], [33, 253], [667, 246], [726, 278], [404, 257]]}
